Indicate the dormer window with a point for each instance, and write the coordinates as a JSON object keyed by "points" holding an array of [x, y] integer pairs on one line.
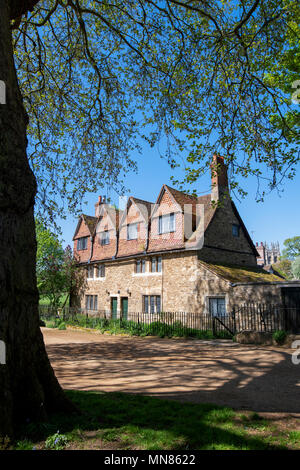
{"points": [[166, 223], [132, 231], [82, 243], [235, 230], [104, 238]]}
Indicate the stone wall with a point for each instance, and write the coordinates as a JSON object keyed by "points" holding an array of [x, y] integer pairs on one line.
{"points": [[220, 246], [184, 285]]}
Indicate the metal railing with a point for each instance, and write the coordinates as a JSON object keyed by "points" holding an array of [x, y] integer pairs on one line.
{"points": [[254, 317]]}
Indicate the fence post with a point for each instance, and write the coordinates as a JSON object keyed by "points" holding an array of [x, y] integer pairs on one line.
{"points": [[234, 319], [214, 326]]}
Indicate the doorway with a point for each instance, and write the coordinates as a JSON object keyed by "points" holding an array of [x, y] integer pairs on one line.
{"points": [[124, 307]]}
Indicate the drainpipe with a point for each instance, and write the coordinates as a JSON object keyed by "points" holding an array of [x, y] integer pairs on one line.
{"points": [[92, 247]]}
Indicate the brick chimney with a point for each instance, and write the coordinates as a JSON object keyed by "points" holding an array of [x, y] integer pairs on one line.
{"points": [[219, 179], [97, 205]]}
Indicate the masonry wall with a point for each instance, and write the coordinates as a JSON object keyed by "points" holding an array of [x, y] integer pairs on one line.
{"points": [[225, 248], [183, 284], [259, 293]]}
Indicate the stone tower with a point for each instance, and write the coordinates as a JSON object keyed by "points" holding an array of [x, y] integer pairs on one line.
{"points": [[268, 254]]}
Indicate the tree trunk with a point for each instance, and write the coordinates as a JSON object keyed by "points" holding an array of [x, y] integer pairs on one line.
{"points": [[28, 387]]}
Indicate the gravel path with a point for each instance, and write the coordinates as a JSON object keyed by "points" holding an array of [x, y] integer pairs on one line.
{"points": [[263, 379]]}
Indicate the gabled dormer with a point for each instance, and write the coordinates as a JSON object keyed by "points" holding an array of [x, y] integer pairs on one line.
{"points": [[167, 219], [83, 237], [133, 227], [106, 231]]}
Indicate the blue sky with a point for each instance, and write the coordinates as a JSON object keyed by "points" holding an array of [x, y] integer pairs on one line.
{"points": [[276, 219]]}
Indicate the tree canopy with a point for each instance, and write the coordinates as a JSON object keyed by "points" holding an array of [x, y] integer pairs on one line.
{"points": [[296, 267], [207, 76], [291, 248], [56, 268]]}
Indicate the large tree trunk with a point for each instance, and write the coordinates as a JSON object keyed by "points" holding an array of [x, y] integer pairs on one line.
{"points": [[28, 387]]}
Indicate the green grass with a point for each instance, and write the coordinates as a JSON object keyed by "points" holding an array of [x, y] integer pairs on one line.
{"points": [[125, 421], [45, 301]]}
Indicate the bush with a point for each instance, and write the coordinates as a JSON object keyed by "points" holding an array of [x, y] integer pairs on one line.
{"points": [[56, 441], [62, 326], [279, 336]]}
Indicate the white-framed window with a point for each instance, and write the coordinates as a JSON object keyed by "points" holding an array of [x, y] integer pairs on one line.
{"points": [[132, 231], [104, 238], [156, 264], [151, 303], [91, 302], [217, 306], [90, 271], [82, 243], [166, 223], [100, 270]]}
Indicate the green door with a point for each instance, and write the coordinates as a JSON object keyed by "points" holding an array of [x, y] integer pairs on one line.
{"points": [[124, 307], [114, 307]]}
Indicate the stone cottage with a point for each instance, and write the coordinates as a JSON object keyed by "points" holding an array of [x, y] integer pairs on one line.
{"points": [[181, 253]]}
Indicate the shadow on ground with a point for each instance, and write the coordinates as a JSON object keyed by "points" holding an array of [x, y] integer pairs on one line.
{"points": [[239, 376], [125, 421]]}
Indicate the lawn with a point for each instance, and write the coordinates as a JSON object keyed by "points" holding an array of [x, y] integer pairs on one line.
{"points": [[111, 421], [45, 301]]}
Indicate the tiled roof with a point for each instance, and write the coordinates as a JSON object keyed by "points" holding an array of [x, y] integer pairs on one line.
{"points": [[242, 273], [114, 214], [90, 222], [182, 198], [144, 206]]}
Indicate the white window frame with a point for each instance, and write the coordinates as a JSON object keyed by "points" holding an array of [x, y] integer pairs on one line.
{"points": [[167, 223], [104, 238], [217, 297], [149, 303], [129, 234]]}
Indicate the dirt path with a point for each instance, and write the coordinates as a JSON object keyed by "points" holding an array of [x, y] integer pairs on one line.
{"points": [[243, 377]]}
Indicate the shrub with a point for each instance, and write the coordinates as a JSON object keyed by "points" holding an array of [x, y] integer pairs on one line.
{"points": [[62, 326], [279, 336], [56, 441]]}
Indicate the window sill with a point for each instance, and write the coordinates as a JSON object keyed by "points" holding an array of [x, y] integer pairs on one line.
{"points": [[147, 274]]}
